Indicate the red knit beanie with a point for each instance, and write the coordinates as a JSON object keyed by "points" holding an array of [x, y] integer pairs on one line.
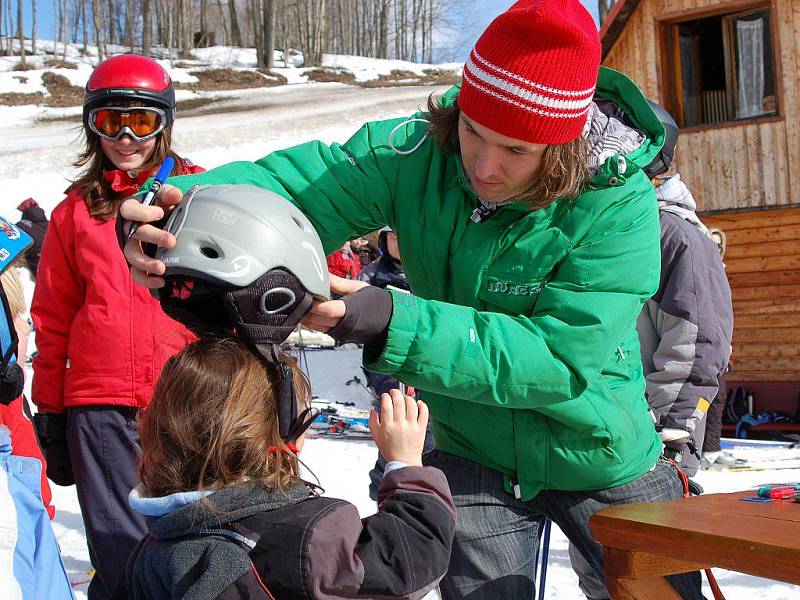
{"points": [[532, 74]]}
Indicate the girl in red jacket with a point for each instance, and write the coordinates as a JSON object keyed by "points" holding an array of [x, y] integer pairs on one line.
{"points": [[102, 340]]}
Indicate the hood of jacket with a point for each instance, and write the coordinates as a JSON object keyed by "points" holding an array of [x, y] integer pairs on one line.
{"points": [[675, 198], [193, 512]]}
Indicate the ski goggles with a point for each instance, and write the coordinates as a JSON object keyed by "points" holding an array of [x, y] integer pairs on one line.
{"points": [[139, 122]]}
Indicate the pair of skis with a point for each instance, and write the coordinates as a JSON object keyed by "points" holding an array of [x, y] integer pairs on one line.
{"points": [[340, 422]]}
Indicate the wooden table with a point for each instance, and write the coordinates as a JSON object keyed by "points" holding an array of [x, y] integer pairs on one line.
{"points": [[644, 542]]}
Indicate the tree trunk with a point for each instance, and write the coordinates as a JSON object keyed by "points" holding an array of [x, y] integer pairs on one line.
{"points": [[202, 42], [603, 8], [33, 28], [129, 23], [20, 33], [85, 27], [236, 33], [146, 27], [98, 37], [268, 36], [255, 14], [224, 24], [65, 21]]}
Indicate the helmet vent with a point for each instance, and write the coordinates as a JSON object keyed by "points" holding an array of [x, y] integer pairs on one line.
{"points": [[209, 252], [298, 222]]}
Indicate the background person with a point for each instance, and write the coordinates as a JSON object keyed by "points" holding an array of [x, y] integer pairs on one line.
{"points": [[102, 340]]}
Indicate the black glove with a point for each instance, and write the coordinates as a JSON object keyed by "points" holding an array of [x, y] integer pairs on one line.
{"points": [[366, 318], [51, 429]]}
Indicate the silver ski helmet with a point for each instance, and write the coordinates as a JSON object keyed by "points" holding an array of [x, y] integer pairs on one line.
{"points": [[245, 258]]}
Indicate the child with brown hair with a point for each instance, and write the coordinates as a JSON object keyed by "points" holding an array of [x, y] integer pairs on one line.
{"points": [[230, 516]]}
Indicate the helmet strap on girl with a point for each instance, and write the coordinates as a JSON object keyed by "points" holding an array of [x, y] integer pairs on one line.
{"points": [[264, 314], [12, 379]]}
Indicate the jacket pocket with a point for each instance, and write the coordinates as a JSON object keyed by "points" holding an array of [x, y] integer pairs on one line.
{"points": [[511, 293]]}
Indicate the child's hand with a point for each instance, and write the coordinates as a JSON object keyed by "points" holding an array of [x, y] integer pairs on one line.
{"points": [[399, 432]]}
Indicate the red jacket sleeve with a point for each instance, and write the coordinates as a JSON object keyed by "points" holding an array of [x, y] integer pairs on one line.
{"points": [[58, 296], [24, 443]]}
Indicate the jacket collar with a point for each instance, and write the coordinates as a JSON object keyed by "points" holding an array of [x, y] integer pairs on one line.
{"points": [[195, 513], [126, 183]]}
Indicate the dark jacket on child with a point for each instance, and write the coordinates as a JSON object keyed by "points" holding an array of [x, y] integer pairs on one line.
{"points": [[34, 223], [246, 542]]}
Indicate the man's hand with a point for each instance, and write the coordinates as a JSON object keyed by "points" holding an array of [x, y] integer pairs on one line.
{"points": [[399, 431], [147, 271], [324, 316]]}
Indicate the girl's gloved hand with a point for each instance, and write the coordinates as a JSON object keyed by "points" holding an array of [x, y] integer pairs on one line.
{"points": [[399, 431]]}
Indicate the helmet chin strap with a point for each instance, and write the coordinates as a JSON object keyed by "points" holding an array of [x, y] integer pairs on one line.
{"points": [[291, 424], [264, 329], [262, 315]]}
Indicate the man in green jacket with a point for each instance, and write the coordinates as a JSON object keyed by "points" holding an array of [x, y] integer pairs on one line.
{"points": [[530, 238]]}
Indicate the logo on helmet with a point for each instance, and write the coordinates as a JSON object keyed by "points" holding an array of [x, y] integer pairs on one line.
{"points": [[224, 217], [315, 259]]}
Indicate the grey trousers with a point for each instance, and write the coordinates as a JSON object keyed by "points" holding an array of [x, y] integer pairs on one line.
{"points": [[104, 448], [497, 536]]}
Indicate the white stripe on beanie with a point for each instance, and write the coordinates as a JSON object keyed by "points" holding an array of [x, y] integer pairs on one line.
{"points": [[527, 107], [528, 82], [530, 100]]}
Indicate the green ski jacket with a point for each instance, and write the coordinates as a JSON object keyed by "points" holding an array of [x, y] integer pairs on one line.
{"points": [[521, 330]]}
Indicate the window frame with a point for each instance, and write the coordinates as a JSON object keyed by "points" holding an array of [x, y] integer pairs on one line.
{"points": [[667, 28]]}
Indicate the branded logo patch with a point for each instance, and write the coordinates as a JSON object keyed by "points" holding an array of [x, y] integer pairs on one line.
{"points": [[498, 286]]}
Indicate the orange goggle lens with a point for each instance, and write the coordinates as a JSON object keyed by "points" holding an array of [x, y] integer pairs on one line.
{"points": [[141, 122]]}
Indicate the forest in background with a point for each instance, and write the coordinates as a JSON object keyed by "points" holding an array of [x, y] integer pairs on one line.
{"points": [[397, 29]]}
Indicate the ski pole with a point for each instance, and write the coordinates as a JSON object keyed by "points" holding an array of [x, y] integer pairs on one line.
{"points": [[545, 546]]}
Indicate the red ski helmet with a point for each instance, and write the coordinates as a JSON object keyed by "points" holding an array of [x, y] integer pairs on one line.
{"points": [[130, 77]]}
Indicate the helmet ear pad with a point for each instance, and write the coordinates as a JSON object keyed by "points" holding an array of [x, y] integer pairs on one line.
{"points": [[268, 310]]}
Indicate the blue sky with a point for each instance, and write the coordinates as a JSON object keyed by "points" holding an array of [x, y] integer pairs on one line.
{"points": [[455, 44]]}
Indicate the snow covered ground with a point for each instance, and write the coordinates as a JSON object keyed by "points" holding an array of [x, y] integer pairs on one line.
{"points": [[35, 160]]}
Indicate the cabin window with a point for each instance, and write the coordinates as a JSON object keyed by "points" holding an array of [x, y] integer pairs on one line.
{"points": [[720, 68]]}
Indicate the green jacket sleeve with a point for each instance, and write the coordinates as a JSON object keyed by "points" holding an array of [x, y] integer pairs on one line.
{"points": [[580, 318], [346, 190]]}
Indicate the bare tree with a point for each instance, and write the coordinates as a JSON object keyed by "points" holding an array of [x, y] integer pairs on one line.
{"points": [[603, 8], [65, 22], [85, 27], [236, 33], [98, 29], [33, 27], [268, 32], [203, 39], [225, 37], [146, 27], [20, 33]]}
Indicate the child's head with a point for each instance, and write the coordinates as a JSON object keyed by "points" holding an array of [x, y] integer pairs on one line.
{"points": [[128, 112], [213, 421]]}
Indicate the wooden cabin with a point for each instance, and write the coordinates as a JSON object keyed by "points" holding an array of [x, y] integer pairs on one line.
{"points": [[729, 72]]}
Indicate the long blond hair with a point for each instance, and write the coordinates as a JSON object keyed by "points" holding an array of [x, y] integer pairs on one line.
{"points": [[213, 421], [12, 285]]}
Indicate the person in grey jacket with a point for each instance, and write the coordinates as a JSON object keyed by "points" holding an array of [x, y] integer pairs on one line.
{"points": [[229, 516], [685, 329]]}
